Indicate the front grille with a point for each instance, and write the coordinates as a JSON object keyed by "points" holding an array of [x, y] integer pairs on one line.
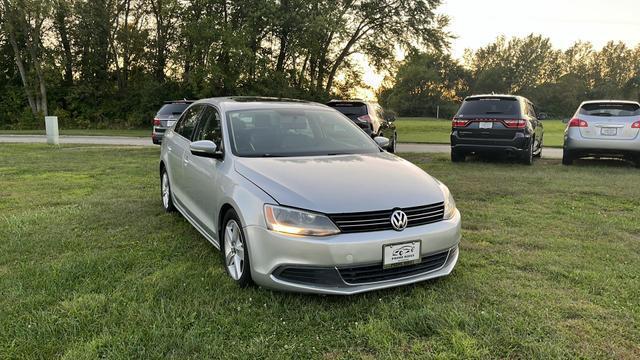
{"points": [[375, 273], [381, 220]]}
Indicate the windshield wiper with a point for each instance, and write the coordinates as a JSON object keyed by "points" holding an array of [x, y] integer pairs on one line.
{"points": [[494, 112]]}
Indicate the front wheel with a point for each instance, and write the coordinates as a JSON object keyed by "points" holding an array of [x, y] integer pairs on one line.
{"points": [[234, 250], [393, 145], [165, 192]]}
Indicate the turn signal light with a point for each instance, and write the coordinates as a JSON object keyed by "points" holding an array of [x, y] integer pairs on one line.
{"points": [[635, 125], [156, 122], [459, 123], [575, 122]]}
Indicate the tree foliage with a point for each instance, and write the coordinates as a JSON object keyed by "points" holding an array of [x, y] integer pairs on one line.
{"points": [[112, 62], [558, 81]]}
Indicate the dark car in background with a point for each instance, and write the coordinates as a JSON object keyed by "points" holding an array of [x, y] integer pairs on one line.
{"points": [[166, 117], [504, 124], [371, 117]]}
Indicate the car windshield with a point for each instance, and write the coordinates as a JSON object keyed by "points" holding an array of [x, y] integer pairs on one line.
{"points": [[610, 109], [172, 109], [489, 106], [295, 132]]}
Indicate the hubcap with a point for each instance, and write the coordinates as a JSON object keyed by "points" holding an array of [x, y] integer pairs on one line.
{"points": [[165, 190], [233, 250]]}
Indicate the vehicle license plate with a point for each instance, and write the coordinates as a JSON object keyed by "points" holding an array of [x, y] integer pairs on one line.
{"points": [[486, 125], [609, 131], [395, 255]]}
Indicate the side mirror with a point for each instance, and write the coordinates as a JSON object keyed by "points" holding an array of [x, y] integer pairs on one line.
{"points": [[205, 148], [382, 141]]}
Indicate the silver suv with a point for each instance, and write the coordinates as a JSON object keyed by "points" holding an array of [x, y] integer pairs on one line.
{"points": [[167, 117], [604, 128]]}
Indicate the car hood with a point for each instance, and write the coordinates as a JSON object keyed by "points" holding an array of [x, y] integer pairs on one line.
{"points": [[343, 183]]}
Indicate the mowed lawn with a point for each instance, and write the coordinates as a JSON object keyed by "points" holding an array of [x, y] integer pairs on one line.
{"points": [[90, 266], [427, 130]]}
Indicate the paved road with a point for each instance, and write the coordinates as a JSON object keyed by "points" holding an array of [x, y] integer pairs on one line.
{"points": [[549, 153]]}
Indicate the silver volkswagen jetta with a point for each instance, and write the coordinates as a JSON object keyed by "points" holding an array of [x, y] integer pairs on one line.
{"points": [[299, 198]]}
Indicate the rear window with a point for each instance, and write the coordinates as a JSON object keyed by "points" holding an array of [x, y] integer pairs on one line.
{"points": [[356, 109], [489, 106], [172, 109], [610, 109]]}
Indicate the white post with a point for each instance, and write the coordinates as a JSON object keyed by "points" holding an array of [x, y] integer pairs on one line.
{"points": [[51, 123], [438, 112]]}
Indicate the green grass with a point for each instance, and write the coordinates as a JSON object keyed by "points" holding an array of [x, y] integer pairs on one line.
{"points": [[90, 266], [434, 131], [84, 132]]}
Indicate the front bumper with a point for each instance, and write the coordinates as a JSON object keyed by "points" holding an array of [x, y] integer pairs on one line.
{"points": [[332, 257]]}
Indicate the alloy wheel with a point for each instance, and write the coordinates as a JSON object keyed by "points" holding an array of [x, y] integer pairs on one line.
{"points": [[166, 191], [234, 250]]}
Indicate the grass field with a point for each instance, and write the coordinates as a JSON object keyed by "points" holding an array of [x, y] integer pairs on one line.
{"points": [[424, 130], [90, 266], [84, 132]]}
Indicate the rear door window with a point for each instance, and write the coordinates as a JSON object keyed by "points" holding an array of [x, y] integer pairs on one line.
{"points": [[490, 106], [610, 109], [188, 121]]}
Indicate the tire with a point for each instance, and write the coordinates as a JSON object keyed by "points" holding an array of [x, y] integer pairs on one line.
{"points": [[234, 250], [457, 156], [393, 145], [540, 146], [165, 192], [527, 157], [567, 157], [637, 161]]}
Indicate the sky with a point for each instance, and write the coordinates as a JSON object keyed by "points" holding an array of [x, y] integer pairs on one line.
{"points": [[476, 23]]}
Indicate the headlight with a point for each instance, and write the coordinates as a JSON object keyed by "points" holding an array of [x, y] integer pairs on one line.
{"points": [[449, 203], [298, 222]]}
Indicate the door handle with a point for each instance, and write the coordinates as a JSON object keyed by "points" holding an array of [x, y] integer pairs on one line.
{"points": [[169, 148]]}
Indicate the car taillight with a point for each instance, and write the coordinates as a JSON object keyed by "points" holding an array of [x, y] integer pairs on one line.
{"points": [[635, 125], [515, 124], [365, 118], [156, 122], [459, 123], [575, 122]]}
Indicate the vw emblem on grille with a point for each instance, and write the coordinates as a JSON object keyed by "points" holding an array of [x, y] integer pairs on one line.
{"points": [[399, 220]]}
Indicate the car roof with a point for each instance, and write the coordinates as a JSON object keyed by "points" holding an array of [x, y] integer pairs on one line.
{"points": [[232, 103], [610, 102], [183, 101], [504, 96]]}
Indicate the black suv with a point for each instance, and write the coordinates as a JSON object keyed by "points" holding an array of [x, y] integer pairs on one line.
{"points": [[371, 117], [497, 123]]}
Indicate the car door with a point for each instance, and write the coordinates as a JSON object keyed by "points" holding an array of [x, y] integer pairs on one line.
{"points": [[537, 124], [177, 144], [202, 175]]}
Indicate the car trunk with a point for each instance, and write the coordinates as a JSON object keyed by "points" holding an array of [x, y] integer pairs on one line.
{"points": [[491, 128], [490, 117], [609, 121]]}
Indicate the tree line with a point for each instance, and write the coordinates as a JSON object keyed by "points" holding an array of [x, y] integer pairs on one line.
{"points": [[556, 80], [111, 63]]}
